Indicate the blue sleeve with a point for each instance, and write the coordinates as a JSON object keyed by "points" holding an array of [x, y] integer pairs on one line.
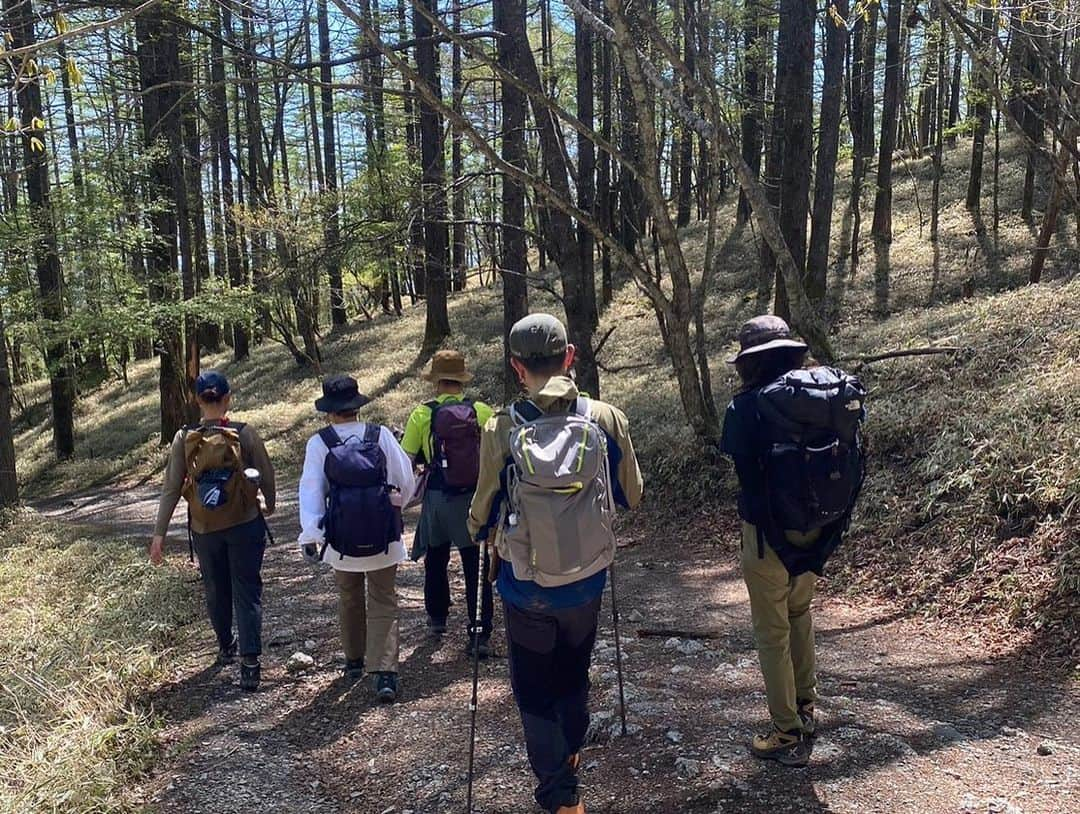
{"points": [[741, 440]]}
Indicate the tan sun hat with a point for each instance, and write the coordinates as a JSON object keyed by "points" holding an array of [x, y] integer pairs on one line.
{"points": [[449, 365]]}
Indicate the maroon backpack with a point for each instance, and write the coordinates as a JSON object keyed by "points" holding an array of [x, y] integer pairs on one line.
{"points": [[455, 443]]}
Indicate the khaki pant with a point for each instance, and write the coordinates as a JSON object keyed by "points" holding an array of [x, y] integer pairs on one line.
{"points": [[783, 629], [369, 624]]}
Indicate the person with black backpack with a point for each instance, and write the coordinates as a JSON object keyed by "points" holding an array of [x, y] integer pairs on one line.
{"points": [[794, 436], [219, 467], [553, 468], [355, 480], [443, 436]]}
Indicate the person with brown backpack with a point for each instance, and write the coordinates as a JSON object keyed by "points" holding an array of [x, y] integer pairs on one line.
{"points": [[219, 467], [553, 468], [443, 436]]}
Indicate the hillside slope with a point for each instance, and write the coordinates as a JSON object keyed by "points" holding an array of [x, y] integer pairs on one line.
{"points": [[972, 504]]}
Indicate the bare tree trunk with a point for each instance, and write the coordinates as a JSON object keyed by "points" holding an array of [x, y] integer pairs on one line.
{"points": [[332, 226], [19, 16], [586, 176], [9, 483], [159, 57], [982, 126], [686, 141], [605, 199], [512, 262], [832, 94], [753, 111], [882, 226], [433, 183], [457, 167]]}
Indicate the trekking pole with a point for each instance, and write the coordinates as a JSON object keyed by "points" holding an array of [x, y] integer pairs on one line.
{"points": [[474, 631], [618, 647]]}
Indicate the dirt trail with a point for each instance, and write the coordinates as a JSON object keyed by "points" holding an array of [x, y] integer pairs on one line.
{"points": [[916, 717]]}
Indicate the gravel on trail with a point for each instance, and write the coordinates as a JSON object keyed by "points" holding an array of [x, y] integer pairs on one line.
{"points": [[915, 716]]}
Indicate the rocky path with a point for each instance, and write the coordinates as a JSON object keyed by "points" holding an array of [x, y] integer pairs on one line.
{"points": [[916, 717]]}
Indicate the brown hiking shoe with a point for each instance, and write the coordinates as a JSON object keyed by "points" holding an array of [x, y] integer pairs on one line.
{"points": [[578, 809], [786, 748]]}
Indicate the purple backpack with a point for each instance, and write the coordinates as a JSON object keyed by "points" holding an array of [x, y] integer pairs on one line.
{"points": [[455, 443], [360, 520]]}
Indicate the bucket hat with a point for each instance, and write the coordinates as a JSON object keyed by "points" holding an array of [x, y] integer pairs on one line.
{"points": [[341, 394], [763, 333], [449, 365]]}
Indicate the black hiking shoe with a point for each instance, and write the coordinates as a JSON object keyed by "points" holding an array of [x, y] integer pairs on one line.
{"points": [[354, 670], [786, 748], [808, 718], [386, 687], [226, 655], [479, 646], [436, 626], [250, 673]]}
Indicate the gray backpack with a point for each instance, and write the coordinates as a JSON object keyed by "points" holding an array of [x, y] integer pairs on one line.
{"points": [[561, 505]]}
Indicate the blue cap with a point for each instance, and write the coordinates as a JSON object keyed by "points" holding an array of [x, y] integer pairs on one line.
{"points": [[211, 385]]}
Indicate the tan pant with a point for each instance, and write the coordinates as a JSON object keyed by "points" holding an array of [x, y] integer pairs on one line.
{"points": [[783, 629], [369, 624]]}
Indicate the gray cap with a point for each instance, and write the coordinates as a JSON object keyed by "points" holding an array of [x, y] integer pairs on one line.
{"points": [[537, 336], [764, 333]]}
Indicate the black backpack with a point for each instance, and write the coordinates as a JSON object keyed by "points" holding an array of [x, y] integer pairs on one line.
{"points": [[812, 460]]}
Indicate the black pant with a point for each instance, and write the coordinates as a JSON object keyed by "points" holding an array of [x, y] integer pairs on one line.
{"points": [[230, 562], [437, 585], [549, 655]]}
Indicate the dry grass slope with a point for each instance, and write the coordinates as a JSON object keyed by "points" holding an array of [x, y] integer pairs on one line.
{"points": [[85, 624]]}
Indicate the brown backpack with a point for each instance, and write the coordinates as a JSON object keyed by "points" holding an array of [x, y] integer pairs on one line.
{"points": [[218, 495]]}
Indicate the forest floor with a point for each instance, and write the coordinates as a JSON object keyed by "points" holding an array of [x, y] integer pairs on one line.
{"points": [[916, 716]]}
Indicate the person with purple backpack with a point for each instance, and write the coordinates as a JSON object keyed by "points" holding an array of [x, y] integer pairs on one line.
{"points": [[443, 436], [355, 481]]}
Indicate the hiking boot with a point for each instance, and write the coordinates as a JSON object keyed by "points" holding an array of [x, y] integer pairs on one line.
{"points": [[250, 673], [479, 646], [578, 809], [787, 748], [354, 670], [386, 687], [436, 626], [226, 655], [808, 718]]}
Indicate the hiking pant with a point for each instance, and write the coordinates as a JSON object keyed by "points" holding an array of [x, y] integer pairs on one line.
{"points": [[783, 629], [549, 655], [231, 562], [437, 586], [368, 612], [444, 523]]}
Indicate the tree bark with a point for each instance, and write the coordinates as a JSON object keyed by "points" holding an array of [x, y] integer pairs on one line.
{"points": [[331, 207], [159, 58], [9, 483], [512, 262], [686, 140], [753, 107], [586, 170], [433, 183], [832, 93], [457, 166], [19, 15], [982, 124], [882, 226]]}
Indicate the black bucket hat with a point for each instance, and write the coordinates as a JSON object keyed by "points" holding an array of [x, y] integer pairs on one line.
{"points": [[341, 394], [763, 333]]}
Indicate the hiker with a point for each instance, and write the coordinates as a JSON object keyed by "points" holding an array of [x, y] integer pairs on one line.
{"points": [[443, 436], [355, 480], [791, 432], [219, 467], [552, 468]]}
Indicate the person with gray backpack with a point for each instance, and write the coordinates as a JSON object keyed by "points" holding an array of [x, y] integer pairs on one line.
{"points": [[794, 436], [553, 468]]}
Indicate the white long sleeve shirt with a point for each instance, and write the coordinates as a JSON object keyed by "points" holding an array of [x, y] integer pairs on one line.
{"points": [[314, 489]]}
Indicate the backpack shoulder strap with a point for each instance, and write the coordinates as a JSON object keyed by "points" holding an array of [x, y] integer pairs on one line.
{"points": [[432, 405], [582, 407], [372, 433], [524, 411], [330, 437]]}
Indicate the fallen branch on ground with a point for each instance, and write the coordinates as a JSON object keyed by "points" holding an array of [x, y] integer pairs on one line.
{"points": [[896, 354], [669, 633]]}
